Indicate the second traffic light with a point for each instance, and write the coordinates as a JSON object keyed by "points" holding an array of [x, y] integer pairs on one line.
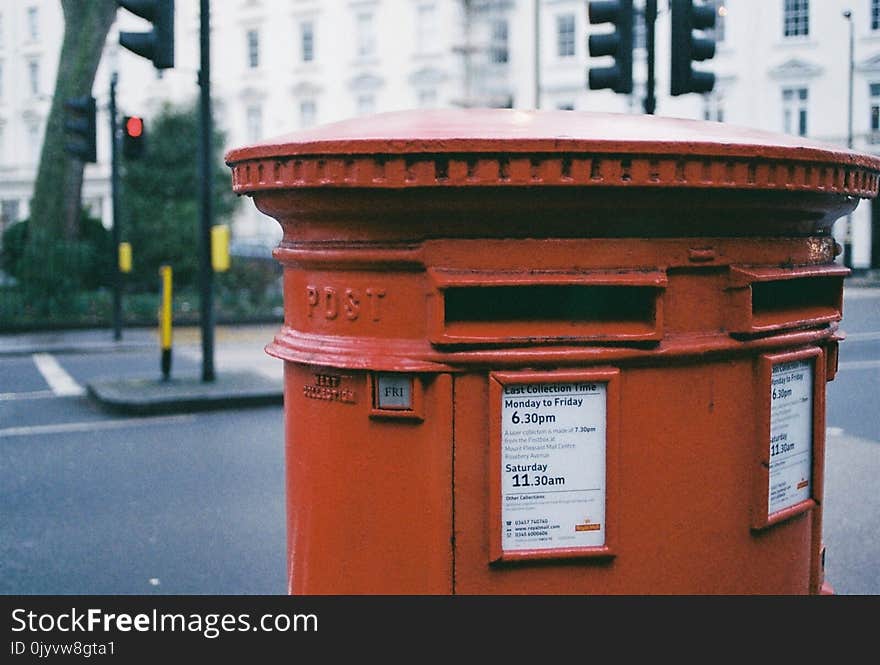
{"points": [[80, 124], [132, 137], [687, 48], [618, 44], [158, 44]]}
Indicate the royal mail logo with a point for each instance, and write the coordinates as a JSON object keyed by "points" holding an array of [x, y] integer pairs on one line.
{"points": [[801, 485], [587, 527]]}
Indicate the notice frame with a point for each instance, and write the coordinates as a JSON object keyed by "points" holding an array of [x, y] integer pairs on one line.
{"points": [[762, 518], [610, 377]]}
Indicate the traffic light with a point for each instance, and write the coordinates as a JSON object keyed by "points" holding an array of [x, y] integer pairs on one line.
{"points": [[80, 124], [132, 136], [686, 47], [158, 44], [618, 44]]}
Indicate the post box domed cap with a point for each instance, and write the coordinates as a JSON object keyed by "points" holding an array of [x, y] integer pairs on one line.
{"points": [[496, 147]]}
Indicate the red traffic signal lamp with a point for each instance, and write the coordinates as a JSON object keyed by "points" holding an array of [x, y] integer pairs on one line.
{"points": [[134, 126], [132, 136]]}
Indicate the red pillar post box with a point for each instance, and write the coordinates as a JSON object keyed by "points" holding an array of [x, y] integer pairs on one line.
{"points": [[555, 352]]}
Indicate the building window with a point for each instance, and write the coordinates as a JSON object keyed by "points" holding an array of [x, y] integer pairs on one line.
{"points": [[366, 104], [254, 118], [426, 29], [366, 38], [565, 35], [33, 23], [875, 14], [34, 76], [33, 132], [427, 98], [307, 39], [253, 49], [794, 111], [796, 19], [307, 113], [875, 112], [498, 45]]}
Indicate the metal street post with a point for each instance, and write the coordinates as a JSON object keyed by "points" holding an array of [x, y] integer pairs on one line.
{"points": [[205, 203], [650, 20], [537, 54], [114, 195], [847, 238]]}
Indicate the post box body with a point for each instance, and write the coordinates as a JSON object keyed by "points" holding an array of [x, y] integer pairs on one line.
{"points": [[555, 353]]}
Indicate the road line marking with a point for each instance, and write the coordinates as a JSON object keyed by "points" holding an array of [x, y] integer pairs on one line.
{"points": [[859, 364], [33, 394], [67, 428], [61, 383]]}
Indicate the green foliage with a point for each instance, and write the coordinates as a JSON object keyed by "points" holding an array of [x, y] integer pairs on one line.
{"points": [[13, 244], [50, 270], [250, 287], [20, 311], [160, 199], [101, 264]]}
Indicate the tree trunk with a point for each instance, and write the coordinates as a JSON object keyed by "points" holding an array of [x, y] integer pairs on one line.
{"points": [[56, 203]]}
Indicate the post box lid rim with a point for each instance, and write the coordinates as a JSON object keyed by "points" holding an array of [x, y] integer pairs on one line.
{"points": [[514, 131]]}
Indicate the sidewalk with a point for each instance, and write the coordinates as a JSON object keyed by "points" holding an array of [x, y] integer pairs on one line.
{"points": [[76, 341], [244, 374]]}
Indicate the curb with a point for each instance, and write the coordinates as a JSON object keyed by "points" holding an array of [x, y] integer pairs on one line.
{"points": [[74, 348], [150, 396]]}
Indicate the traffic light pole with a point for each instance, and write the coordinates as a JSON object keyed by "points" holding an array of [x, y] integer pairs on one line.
{"points": [[847, 238], [537, 8], [650, 20], [114, 195], [205, 181]]}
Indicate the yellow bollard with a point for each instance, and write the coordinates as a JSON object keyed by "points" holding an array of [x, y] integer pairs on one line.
{"points": [[125, 257], [220, 248], [165, 275]]}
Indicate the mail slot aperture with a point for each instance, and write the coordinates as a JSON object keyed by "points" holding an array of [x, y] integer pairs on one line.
{"points": [[768, 299], [492, 308]]}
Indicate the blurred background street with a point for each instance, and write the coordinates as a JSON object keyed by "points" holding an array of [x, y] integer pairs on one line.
{"points": [[194, 503], [97, 503], [852, 451]]}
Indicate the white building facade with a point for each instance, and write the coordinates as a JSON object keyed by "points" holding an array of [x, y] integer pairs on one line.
{"points": [[282, 65]]}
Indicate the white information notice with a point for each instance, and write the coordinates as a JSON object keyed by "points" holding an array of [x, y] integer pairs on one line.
{"points": [[553, 465], [791, 434]]}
